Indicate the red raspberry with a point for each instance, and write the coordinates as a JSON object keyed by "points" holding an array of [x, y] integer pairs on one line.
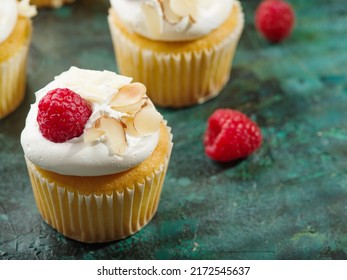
{"points": [[231, 135], [274, 19], [62, 115]]}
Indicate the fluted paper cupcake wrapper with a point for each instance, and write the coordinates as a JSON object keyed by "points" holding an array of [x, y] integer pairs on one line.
{"points": [[98, 217], [12, 81], [181, 79]]}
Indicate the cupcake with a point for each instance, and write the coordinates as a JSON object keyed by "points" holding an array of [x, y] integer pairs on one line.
{"points": [[15, 37], [181, 50], [97, 152], [50, 3]]}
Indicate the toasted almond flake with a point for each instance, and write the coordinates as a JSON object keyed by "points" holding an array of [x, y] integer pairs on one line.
{"points": [[184, 8], [153, 16], [128, 94], [92, 134], [132, 108], [194, 16], [147, 121], [183, 24], [149, 104], [169, 15], [129, 126], [97, 123], [192, 19], [115, 135]]}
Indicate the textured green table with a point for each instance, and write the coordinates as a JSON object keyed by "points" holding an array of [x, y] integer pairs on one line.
{"points": [[287, 201]]}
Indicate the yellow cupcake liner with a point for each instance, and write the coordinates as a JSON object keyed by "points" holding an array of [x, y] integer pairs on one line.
{"points": [[13, 81], [50, 3], [177, 79], [98, 217]]}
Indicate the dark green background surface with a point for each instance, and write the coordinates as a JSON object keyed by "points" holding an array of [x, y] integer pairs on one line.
{"points": [[287, 201]]}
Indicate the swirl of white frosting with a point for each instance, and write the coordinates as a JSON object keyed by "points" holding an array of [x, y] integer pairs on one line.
{"points": [[75, 157], [172, 20], [8, 18], [9, 11]]}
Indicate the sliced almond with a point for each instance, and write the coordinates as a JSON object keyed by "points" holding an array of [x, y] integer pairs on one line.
{"points": [[153, 16], [115, 135], [169, 15], [129, 94], [147, 121], [183, 24], [129, 126], [132, 108], [97, 123], [149, 103], [184, 8], [192, 18], [92, 134]]}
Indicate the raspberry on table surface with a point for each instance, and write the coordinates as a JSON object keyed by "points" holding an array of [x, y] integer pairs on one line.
{"points": [[274, 20], [231, 135]]}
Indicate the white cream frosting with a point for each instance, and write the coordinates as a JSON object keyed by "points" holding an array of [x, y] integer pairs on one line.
{"points": [[26, 10], [172, 20], [9, 11], [75, 157], [8, 18]]}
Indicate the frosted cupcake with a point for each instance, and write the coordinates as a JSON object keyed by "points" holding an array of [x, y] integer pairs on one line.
{"points": [[15, 37], [181, 49], [51, 3], [97, 152]]}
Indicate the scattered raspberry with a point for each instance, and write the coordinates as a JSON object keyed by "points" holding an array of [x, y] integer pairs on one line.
{"points": [[274, 19], [231, 135], [62, 115]]}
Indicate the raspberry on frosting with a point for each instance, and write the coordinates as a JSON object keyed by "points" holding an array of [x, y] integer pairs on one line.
{"points": [[62, 115], [122, 131], [231, 135]]}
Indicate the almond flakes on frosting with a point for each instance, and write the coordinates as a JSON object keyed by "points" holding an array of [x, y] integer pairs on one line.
{"points": [[172, 20], [173, 11], [113, 139], [141, 119]]}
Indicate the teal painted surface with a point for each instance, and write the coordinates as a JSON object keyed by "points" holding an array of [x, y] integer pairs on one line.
{"points": [[287, 201]]}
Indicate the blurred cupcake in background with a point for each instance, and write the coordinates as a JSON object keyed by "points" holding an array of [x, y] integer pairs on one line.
{"points": [[50, 3], [15, 37], [182, 50]]}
